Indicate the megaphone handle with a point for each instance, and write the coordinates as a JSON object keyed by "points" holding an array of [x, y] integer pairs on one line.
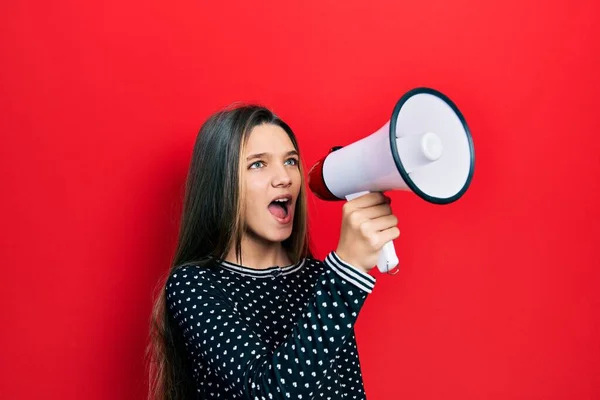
{"points": [[387, 258]]}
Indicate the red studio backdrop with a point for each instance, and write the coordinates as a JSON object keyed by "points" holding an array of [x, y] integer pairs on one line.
{"points": [[498, 294]]}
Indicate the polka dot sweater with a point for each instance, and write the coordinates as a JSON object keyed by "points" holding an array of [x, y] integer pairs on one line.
{"points": [[277, 333]]}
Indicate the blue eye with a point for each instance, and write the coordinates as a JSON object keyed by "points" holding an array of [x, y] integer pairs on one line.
{"points": [[295, 162], [255, 163]]}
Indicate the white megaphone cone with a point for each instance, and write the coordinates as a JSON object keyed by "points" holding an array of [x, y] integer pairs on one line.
{"points": [[426, 148]]}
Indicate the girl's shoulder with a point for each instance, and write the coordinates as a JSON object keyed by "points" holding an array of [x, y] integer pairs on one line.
{"points": [[191, 270], [314, 260]]}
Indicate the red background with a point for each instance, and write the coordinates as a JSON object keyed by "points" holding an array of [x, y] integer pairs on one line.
{"points": [[498, 295]]}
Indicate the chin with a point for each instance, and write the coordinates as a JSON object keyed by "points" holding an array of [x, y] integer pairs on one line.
{"points": [[280, 236], [276, 235], [271, 235]]}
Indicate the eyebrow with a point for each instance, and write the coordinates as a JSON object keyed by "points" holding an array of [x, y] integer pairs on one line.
{"points": [[262, 155]]}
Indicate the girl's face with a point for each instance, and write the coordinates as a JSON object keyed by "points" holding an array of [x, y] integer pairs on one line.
{"points": [[272, 178]]}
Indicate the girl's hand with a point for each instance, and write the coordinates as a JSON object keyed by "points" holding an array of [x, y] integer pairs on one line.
{"points": [[367, 224]]}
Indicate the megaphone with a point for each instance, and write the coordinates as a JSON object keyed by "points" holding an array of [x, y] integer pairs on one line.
{"points": [[425, 147]]}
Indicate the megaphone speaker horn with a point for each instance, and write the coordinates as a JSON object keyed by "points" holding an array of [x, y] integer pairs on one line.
{"points": [[425, 147]]}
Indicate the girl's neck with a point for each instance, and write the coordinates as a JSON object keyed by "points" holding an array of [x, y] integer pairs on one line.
{"points": [[259, 254]]}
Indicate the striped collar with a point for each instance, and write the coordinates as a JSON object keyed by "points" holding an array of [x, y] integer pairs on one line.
{"points": [[270, 272]]}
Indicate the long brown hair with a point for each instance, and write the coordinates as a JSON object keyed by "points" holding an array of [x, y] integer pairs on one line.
{"points": [[211, 224]]}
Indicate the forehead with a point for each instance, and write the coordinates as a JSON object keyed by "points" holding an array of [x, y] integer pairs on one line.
{"points": [[268, 138]]}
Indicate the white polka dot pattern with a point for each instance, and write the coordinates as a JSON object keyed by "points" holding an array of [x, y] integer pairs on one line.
{"points": [[279, 333]]}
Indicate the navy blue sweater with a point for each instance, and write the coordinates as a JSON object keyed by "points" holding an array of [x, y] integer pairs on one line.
{"points": [[278, 333]]}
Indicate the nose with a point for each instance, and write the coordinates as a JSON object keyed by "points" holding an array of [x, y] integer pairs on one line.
{"points": [[281, 178]]}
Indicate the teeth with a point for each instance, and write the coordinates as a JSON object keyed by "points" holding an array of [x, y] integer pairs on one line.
{"points": [[282, 200]]}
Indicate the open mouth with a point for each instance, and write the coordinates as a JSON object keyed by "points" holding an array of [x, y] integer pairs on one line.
{"points": [[280, 208]]}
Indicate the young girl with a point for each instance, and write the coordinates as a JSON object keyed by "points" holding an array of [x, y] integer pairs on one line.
{"points": [[246, 312]]}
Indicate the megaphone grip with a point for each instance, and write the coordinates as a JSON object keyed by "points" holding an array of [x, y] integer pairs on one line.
{"points": [[388, 259]]}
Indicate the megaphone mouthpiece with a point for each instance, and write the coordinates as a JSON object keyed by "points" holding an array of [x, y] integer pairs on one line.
{"points": [[316, 182]]}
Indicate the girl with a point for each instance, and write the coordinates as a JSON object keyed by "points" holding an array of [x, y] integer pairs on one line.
{"points": [[246, 312]]}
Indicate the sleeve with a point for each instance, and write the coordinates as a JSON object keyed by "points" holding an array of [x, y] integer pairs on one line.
{"points": [[228, 345]]}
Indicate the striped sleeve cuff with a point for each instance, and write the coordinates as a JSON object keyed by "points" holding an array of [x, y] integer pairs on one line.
{"points": [[350, 273]]}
